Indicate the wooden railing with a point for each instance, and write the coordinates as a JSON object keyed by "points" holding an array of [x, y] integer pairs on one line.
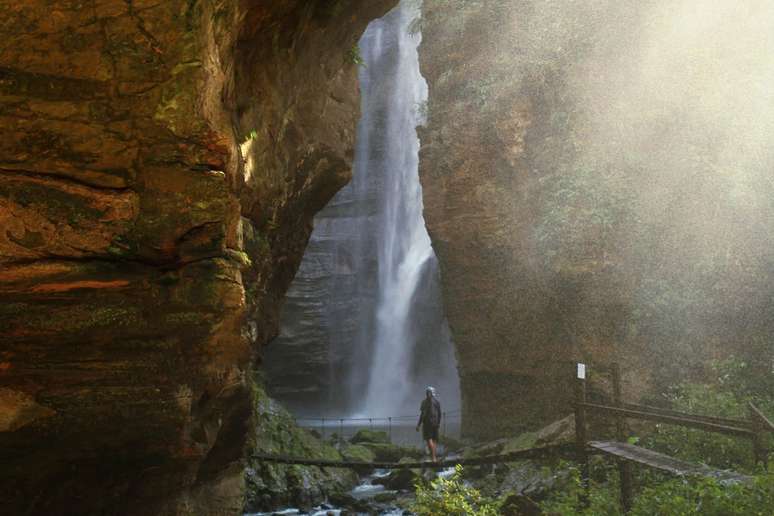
{"points": [[755, 428]]}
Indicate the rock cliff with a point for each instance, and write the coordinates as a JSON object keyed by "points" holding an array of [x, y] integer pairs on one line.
{"points": [[160, 163], [587, 198]]}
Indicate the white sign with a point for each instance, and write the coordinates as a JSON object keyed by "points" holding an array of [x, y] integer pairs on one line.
{"points": [[581, 371]]}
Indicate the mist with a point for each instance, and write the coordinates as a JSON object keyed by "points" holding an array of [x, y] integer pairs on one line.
{"points": [[654, 150]]}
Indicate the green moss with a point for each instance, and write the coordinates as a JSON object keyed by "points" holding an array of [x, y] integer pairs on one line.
{"points": [[270, 486], [522, 442], [358, 453], [369, 436], [392, 452]]}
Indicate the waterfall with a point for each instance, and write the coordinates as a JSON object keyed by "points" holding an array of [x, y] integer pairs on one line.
{"points": [[363, 329], [394, 94]]}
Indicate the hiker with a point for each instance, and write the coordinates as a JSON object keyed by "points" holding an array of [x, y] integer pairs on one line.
{"points": [[430, 419]]}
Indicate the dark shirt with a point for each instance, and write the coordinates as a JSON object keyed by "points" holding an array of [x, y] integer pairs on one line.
{"points": [[430, 412]]}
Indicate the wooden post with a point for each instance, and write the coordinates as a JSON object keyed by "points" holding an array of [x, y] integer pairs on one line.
{"points": [[389, 429], [760, 425], [624, 467], [580, 432]]}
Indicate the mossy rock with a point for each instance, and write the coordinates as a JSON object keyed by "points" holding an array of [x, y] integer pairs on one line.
{"points": [[357, 453], [274, 485], [489, 448], [401, 479], [370, 436], [385, 497], [385, 452], [522, 442]]}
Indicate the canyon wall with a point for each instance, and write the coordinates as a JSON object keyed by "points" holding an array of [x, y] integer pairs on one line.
{"points": [[595, 187], [160, 164]]}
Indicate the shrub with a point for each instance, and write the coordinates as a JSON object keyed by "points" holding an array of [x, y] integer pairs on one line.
{"points": [[734, 383], [451, 496], [707, 497]]}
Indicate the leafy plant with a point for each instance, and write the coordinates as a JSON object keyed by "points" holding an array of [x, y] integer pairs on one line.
{"points": [[734, 384], [451, 496], [707, 497], [566, 501], [354, 56], [251, 136], [673, 497]]}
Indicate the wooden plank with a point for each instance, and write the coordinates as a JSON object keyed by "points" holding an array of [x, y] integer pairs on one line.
{"points": [[664, 462], [674, 420], [567, 450]]}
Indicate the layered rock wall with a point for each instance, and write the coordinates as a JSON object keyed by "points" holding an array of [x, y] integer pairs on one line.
{"points": [[588, 197], [160, 163]]}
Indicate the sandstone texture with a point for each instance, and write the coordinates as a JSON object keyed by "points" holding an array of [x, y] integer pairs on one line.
{"points": [[160, 164], [585, 205]]}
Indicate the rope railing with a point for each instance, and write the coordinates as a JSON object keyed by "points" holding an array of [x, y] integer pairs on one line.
{"points": [[455, 413], [380, 422], [545, 452]]}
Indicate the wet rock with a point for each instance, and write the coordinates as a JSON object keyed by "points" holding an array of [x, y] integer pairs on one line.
{"points": [[350, 503], [358, 453], [385, 498], [561, 431], [370, 436], [276, 485], [385, 452], [401, 479]]}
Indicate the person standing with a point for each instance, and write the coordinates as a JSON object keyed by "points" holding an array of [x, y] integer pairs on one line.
{"points": [[430, 419]]}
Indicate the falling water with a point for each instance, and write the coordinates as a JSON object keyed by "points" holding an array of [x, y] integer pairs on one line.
{"points": [[364, 314], [394, 95]]}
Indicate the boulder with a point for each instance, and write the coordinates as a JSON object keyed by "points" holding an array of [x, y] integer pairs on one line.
{"points": [[370, 436], [385, 452]]}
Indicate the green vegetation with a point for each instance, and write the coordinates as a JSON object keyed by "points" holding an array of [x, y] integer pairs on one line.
{"points": [[670, 497], [735, 382], [451, 497], [274, 485], [253, 134], [354, 56]]}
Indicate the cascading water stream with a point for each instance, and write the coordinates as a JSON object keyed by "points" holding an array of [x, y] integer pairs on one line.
{"points": [[364, 313], [394, 93]]}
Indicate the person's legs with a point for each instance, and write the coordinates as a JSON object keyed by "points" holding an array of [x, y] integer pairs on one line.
{"points": [[431, 446]]}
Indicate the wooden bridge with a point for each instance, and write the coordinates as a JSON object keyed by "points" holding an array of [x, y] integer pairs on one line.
{"points": [[560, 450], [626, 454]]}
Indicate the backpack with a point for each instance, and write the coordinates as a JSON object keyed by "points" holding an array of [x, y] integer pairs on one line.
{"points": [[434, 413]]}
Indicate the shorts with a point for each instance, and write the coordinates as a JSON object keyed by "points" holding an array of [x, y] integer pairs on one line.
{"points": [[429, 432]]}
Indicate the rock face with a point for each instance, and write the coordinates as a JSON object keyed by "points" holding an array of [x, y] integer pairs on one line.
{"points": [[160, 163], [270, 486], [584, 200]]}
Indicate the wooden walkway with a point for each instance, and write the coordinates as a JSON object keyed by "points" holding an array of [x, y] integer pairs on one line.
{"points": [[560, 450], [666, 463]]}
